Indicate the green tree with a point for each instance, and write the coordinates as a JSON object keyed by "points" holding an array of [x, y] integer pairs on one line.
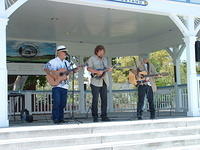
{"points": [[163, 64], [121, 75]]}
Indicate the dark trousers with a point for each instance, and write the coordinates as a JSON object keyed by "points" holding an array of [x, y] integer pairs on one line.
{"points": [[95, 96], [142, 91], [59, 96]]}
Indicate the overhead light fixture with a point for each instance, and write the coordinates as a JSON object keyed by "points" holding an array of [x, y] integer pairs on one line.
{"points": [[54, 19]]}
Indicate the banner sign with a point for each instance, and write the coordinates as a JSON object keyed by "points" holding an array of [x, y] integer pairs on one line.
{"points": [[134, 2], [32, 52]]}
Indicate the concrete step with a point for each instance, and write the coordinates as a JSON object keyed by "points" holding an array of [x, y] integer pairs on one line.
{"points": [[96, 138], [149, 144], [66, 129], [190, 147]]}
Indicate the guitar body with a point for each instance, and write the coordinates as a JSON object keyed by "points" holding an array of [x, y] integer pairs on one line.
{"points": [[57, 76], [132, 78], [102, 75], [104, 72]]}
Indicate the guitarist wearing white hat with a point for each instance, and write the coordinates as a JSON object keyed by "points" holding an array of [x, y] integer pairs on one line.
{"points": [[57, 71]]}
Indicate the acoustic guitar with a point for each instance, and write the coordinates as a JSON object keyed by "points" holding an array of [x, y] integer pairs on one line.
{"points": [[142, 77], [139, 77], [54, 78]]}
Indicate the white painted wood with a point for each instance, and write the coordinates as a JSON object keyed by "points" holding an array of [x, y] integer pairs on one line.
{"points": [[3, 75], [82, 100], [25, 69], [193, 100], [2, 7], [14, 7], [110, 94]]}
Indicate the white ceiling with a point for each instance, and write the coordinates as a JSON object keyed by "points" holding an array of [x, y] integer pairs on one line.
{"points": [[122, 32]]}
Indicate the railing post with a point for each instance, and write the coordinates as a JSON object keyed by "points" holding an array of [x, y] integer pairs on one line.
{"points": [[28, 103], [82, 100], [110, 94]]}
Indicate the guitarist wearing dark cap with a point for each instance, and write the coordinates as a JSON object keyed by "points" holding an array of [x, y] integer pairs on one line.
{"points": [[98, 66]]}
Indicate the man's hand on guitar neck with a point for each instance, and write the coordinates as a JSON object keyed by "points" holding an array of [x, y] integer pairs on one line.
{"points": [[110, 69], [77, 69]]}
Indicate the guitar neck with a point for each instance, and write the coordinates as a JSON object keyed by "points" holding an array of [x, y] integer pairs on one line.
{"points": [[151, 75]]}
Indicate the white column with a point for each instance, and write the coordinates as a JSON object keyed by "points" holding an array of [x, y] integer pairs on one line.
{"points": [[193, 102], [3, 75], [110, 95], [82, 100]]}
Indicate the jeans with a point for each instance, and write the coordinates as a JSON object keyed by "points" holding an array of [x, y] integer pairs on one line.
{"points": [[59, 96], [95, 96], [142, 91]]}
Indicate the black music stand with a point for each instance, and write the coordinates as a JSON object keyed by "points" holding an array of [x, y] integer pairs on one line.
{"points": [[72, 95]]}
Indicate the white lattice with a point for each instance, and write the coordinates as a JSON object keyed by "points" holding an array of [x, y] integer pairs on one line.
{"points": [[182, 19], [196, 22], [9, 3]]}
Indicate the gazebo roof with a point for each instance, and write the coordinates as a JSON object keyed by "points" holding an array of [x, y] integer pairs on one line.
{"points": [[81, 27]]}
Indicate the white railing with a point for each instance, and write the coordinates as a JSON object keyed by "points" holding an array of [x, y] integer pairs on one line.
{"points": [[164, 99], [9, 3], [40, 102]]}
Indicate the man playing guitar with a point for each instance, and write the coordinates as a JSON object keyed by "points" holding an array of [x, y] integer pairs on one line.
{"points": [[56, 75], [98, 67], [146, 86]]}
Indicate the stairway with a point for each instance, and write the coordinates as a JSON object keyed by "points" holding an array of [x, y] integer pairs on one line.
{"points": [[163, 134]]}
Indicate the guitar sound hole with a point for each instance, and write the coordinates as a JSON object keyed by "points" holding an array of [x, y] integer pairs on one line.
{"points": [[61, 74]]}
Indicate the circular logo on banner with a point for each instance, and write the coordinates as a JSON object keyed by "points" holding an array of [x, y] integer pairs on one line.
{"points": [[28, 50]]}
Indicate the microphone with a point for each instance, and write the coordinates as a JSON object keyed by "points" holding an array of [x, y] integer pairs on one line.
{"points": [[75, 58], [68, 57]]}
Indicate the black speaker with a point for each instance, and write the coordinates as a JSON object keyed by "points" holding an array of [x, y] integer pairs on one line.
{"points": [[197, 51]]}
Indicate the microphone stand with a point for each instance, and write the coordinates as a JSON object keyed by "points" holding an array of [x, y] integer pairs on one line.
{"points": [[72, 95]]}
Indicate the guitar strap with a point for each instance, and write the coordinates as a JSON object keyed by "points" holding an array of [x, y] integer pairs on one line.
{"points": [[148, 68], [67, 66], [103, 63]]}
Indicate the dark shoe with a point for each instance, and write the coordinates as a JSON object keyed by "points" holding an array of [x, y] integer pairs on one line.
{"points": [[152, 117], [139, 118], [105, 119], [62, 121], [95, 120], [56, 121]]}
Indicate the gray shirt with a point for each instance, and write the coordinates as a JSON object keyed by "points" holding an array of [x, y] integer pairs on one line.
{"points": [[97, 63]]}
